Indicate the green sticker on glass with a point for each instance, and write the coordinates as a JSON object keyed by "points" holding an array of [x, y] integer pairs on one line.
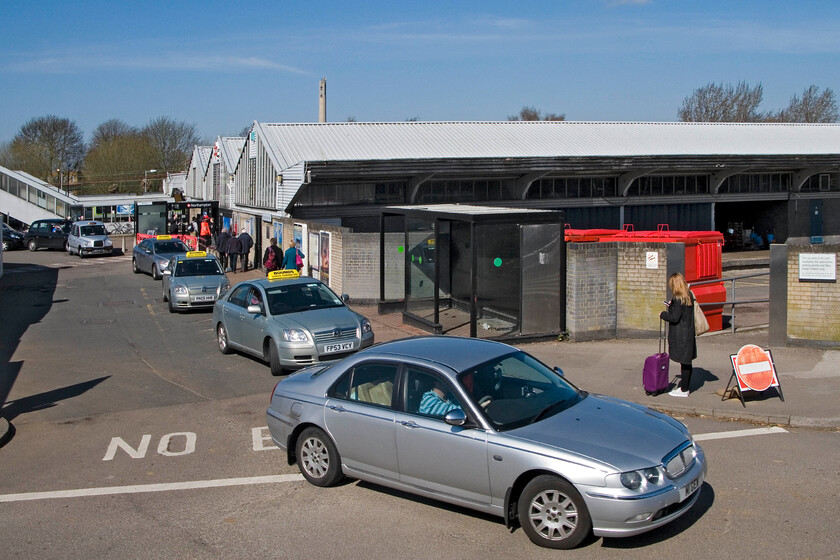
{"points": [[497, 261]]}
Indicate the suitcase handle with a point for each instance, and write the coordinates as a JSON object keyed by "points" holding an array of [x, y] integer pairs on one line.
{"points": [[663, 333]]}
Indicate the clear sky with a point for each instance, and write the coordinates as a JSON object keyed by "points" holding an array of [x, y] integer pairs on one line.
{"points": [[223, 64]]}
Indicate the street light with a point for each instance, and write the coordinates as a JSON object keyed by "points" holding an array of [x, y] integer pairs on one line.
{"points": [[145, 179]]}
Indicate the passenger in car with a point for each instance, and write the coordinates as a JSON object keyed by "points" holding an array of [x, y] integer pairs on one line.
{"points": [[435, 403]]}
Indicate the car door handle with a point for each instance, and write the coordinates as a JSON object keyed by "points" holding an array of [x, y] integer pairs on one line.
{"points": [[409, 424], [336, 407]]}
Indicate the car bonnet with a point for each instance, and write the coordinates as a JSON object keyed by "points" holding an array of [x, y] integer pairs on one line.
{"points": [[318, 319], [608, 430]]}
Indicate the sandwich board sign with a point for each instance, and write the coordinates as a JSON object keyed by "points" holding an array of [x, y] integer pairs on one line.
{"points": [[753, 370]]}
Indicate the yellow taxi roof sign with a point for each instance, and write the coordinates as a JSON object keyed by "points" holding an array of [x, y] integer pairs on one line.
{"points": [[283, 274], [191, 254], [163, 237]]}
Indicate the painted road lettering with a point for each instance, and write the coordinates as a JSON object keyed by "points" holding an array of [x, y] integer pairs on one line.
{"points": [[170, 445]]}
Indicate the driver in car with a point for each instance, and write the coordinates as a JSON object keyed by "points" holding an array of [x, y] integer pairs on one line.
{"points": [[434, 402]]}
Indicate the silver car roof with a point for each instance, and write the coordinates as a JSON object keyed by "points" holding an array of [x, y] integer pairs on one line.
{"points": [[457, 353]]}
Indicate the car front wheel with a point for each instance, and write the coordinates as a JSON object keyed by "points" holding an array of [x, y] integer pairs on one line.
{"points": [[318, 458], [553, 514], [222, 338], [33, 245], [274, 359], [67, 247], [134, 268], [155, 273]]}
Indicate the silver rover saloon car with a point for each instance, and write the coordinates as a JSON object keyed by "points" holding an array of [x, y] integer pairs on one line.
{"points": [[486, 426]]}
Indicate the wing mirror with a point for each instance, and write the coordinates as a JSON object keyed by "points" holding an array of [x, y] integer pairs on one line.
{"points": [[254, 309], [345, 298], [455, 417], [167, 272], [559, 371]]}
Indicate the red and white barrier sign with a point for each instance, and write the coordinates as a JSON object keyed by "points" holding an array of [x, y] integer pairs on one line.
{"points": [[754, 369]]}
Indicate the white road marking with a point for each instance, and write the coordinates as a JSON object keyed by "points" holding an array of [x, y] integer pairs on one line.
{"points": [[143, 488], [740, 433], [275, 479]]}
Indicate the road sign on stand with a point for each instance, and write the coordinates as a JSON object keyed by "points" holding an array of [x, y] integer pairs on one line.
{"points": [[753, 370]]}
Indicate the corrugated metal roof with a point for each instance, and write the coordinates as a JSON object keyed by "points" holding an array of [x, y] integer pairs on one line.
{"points": [[297, 142], [230, 147]]}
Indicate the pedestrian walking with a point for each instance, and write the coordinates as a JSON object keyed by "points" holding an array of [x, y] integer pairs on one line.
{"points": [[247, 243], [273, 256], [221, 246], [234, 249], [682, 342], [293, 257]]}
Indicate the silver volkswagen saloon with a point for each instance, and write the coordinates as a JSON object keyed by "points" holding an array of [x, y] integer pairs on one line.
{"points": [[483, 425], [289, 321]]}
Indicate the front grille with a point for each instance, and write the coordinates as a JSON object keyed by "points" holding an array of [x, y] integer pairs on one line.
{"points": [[98, 243], [679, 460], [335, 335], [202, 290]]}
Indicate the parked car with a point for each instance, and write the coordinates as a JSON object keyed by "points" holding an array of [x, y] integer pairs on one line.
{"points": [[153, 254], [483, 425], [12, 238], [289, 321], [89, 237], [193, 281], [47, 234]]}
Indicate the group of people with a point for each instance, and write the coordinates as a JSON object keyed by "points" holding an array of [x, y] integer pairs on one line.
{"points": [[275, 259], [232, 247]]}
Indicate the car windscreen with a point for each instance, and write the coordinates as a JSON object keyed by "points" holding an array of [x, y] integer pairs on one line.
{"points": [[171, 247], [198, 267], [93, 230], [293, 298], [517, 389]]}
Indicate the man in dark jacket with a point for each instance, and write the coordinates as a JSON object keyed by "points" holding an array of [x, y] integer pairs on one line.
{"points": [[221, 246], [247, 243], [234, 249]]}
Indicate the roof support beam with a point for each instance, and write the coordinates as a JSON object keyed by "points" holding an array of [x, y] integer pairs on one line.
{"points": [[625, 180], [717, 178], [803, 175], [523, 184], [414, 185]]}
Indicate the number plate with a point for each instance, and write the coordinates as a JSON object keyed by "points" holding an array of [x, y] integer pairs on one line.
{"points": [[203, 298], [343, 347], [690, 488]]}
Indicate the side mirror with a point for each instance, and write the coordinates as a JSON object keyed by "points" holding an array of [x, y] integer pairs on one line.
{"points": [[455, 417], [254, 309], [345, 298], [559, 371], [167, 272]]}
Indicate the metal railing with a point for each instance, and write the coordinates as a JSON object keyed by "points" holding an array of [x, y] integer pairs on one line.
{"points": [[731, 300]]}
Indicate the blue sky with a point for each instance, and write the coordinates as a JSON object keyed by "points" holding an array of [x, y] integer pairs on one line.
{"points": [[222, 64]]}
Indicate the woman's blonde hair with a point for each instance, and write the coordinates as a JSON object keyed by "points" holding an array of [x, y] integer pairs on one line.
{"points": [[679, 288]]}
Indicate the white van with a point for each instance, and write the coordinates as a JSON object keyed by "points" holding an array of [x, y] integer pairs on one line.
{"points": [[89, 237]]}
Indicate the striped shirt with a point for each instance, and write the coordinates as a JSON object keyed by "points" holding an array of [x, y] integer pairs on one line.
{"points": [[433, 405]]}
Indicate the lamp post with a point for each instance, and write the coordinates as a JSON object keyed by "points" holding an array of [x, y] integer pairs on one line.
{"points": [[146, 178]]}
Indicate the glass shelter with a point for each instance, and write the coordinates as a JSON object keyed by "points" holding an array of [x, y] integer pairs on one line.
{"points": [[478, 271]]}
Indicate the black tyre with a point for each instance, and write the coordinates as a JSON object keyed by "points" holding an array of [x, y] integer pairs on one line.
{"points": [[222, 339], [155, 273], [172, 308], [274, 359], [317, 458], [553, 514], [67, 247], [134, 268], [33, 245]]}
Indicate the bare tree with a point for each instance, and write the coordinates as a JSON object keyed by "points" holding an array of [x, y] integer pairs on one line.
{"points": [[814, 107], [45, 145], [173, 142], [532, 114], [723, 103], [111, 130]]}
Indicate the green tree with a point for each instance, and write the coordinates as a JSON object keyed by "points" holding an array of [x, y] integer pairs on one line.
{"points": [[723, 103], [45, 145]]}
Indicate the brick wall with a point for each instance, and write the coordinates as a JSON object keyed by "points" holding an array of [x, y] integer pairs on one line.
{"points": [[639, 289], [813, 308]]}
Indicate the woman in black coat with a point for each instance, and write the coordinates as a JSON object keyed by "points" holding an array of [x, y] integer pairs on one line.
{"points": [[682, 343]]}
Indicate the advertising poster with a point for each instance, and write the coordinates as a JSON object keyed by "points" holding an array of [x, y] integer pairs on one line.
{"points": [[325, 258], [314, 269]]}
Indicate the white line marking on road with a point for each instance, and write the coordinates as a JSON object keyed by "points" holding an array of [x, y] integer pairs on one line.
{"points": [[142, 488], [740, 433]]}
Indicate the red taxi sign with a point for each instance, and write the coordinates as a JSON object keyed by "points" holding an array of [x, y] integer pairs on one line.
{"points": [[191, 254], [283, 274], [754, 368]]}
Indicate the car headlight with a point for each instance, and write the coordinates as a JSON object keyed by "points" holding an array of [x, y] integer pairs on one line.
{"points": [[366, 328], [180, 290], [294, 335], [224, 287], [108, 243], [632, 480]]}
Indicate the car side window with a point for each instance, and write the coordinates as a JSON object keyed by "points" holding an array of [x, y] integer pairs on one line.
{"points": [[371, 383], [240, 295], [428, 394]]}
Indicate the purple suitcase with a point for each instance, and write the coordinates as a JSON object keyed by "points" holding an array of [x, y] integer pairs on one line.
{"points": [[655, 377]]}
